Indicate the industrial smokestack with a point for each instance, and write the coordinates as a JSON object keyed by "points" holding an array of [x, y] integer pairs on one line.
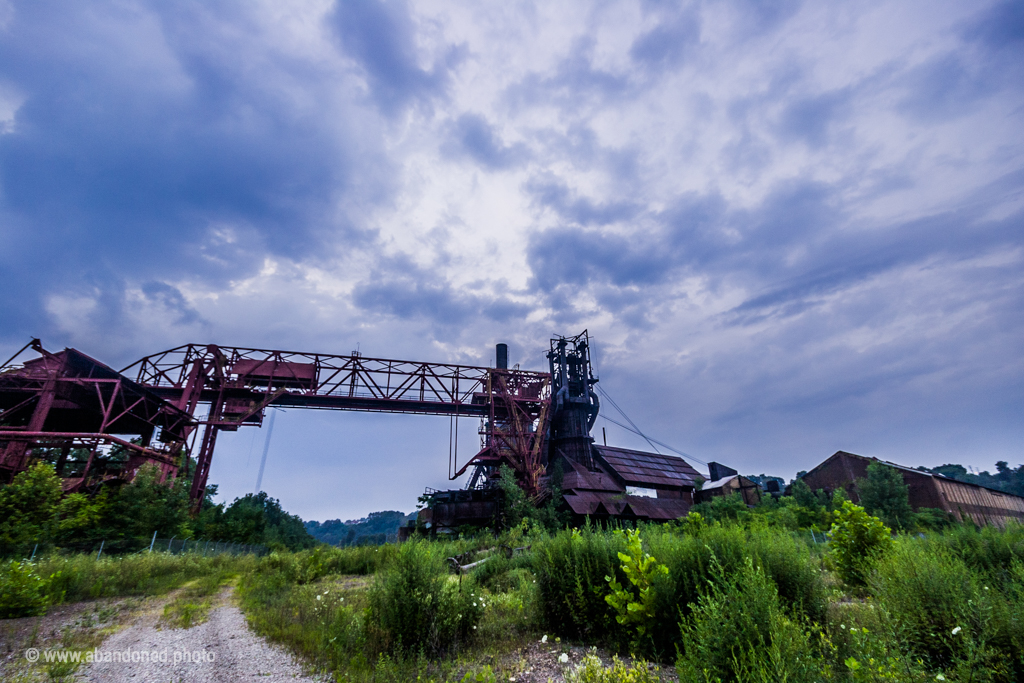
{"points": [[501, 356]]}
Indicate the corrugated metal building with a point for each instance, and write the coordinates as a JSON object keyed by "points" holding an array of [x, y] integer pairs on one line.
{"points": [[726, 486], [630, 484], [926, 490]]}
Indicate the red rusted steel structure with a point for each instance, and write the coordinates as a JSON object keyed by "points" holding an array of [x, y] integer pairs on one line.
{"points": [[42, 404], [68, 400], [185, 396], [239, 384]]}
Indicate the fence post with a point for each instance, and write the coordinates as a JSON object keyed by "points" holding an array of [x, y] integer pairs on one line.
{"points": [[170, 542], [101, 549], [152, 542], [34, 553], [207, 547]]}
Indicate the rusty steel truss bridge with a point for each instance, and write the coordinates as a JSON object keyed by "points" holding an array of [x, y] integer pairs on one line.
{"points": [[149, 412]]}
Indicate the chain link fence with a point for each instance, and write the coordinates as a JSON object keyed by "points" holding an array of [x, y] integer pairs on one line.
{"points": [[178, 546], [124, 546]]}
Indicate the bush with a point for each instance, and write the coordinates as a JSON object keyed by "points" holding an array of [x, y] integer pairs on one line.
{"points": [[883, 494], [413, 606], [857, 541], [591, 670], [738, 631], [634, 607], [691, 562], [570, 569], [23, 593], [943, 615], [988, 550]]}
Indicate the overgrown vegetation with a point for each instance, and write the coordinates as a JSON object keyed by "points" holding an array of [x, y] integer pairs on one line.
{"points": [[36, 517], [727, 594], [28, 588], [744, 599]]}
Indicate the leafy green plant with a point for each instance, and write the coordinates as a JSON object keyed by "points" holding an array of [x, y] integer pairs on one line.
{"points": [[945, 616], [592, 670], [883, 494], [738, 631], [482, 675], [634, 607], [857, 541], [23, 593], [692, 524], [412, 604], [570, 568]]}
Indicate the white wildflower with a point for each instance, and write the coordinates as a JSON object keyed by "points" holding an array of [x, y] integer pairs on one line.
{"points": [[319, 597], [940, 677], [956, 630], [474, 628], [563, 658], [544, 639]]}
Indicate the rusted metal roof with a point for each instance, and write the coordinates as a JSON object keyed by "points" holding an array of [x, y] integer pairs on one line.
{"points": [[579, 477], [600, 504], [637, 468]]}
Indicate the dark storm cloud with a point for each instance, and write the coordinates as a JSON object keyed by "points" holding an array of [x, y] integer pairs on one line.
{"points": [[402, 289], [473, 137], [173, 300], [380, 36], [793, 249], [148, 147]]}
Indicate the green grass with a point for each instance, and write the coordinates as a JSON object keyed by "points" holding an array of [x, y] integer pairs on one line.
{"points": [[741, 603], [191, 605]]}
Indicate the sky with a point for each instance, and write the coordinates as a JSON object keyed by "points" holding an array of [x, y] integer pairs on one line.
{"points": [[789, 227]]}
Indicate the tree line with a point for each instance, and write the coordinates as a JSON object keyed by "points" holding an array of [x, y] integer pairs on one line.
{"points": [[36, 514]]}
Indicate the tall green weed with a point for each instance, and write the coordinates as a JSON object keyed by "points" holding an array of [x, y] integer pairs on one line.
{"points": [[738, 631], [946, 614], [413, 604]]}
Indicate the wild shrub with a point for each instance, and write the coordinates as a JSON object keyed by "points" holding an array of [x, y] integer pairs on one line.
{"points": [[413, 606], [884, 495], [857, 541], [493, 571], [738, 631], [634, 606], [693, 524], [570, 568], [874, 654], [988, 550], [592, 670], [724, 508], [23, 592], [943, 615], [691, 560]]}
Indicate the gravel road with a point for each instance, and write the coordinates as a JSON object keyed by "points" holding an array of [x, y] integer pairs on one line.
{"points": [[220, 649]]}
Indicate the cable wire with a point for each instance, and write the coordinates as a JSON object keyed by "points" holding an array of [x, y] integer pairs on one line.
{"points": [[636, 430]]}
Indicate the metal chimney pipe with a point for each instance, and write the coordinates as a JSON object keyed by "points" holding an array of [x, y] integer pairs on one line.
{"points": [[501, 356]]}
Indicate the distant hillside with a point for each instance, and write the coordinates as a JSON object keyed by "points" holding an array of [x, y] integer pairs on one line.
{"points": [[374, 529]]}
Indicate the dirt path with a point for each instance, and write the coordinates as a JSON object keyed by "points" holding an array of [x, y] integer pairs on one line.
{"points": [[220, 649]]}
